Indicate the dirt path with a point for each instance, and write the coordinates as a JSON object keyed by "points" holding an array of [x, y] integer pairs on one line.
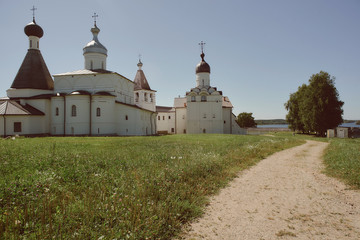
{"points": [[283, 197]]}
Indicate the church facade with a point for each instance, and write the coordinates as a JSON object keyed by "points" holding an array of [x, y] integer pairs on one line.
{"points": [[204, 109], [92, 101]]}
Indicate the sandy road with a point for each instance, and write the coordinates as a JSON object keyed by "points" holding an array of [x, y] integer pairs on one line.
{"points": [[285, 196]]}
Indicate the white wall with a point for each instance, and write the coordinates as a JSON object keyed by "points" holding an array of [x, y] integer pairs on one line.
{"points": [[166, 122], [205, 116], [180, 119]]}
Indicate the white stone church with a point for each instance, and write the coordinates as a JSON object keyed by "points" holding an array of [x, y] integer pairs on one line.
{"points": [[97, 102], [204, 109]]}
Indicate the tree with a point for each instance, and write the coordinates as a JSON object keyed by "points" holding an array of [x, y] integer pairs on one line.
{"points": [[315, 107], [246, 120]]}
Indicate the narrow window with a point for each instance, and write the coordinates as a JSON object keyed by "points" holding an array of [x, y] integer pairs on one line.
{"points": [[172, 130], [145, 97], [17, 126], [193, 99], [169, 117], [126, 117], [163, 117], [151, 97], [203, 98], [37, 44], [204, 130], [98, 112], [73, 111], [203, 82], [224, 122], [184, 131], [91, 64], [57, 111], [30, 43], [158, 117], [137, 97]]}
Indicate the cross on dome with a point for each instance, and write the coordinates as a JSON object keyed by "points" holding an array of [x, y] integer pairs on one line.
{"points": [[202, 44], [33, 10], [95, 16]]}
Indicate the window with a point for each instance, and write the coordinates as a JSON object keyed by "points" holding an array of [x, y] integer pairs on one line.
{"points": [[17, 126], [172, 130], [203, 98], [151, 97], [158, 117], [204, 130], [91, 64], [126, 117], [73, 111], [193, 98], [184, 131], [57, 111], [37, 44], [30, 43], [137, 97], [98, 112], [224, 122], [163, 117], [169, 117], [145, 97]]}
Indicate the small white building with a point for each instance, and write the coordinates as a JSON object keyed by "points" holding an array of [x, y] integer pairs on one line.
{"points": [[90, 101], [204, 109]]}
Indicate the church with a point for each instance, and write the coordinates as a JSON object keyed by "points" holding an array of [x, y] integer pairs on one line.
{"points": [[204, 109], [95, 101], [92, 101]]}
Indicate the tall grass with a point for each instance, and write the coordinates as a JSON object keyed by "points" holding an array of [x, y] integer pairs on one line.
{"points": [[117, 188], [342, 160]]}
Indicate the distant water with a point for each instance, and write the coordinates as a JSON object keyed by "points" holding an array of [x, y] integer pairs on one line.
{"points": [[273, 126], [353, 124]]}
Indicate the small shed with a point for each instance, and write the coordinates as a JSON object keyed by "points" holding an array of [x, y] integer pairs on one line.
{"points": [[342, 132], [330, 133]]}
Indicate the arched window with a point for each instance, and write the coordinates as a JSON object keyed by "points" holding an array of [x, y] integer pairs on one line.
{"points": [[126, 117], [193, 98], [73, 111], [203, 98], [57, 111], [136, 97], [145, 97], [151, 97], [98, 112]]}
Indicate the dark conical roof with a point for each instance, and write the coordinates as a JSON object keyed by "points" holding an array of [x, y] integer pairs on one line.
{"points": [[202, 66], [33, 73], [32, 29], [140, 79]]}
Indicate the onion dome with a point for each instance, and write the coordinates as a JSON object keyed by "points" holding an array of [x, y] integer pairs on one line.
{"points": [[32, 29], [202, 66], [94, 46]]}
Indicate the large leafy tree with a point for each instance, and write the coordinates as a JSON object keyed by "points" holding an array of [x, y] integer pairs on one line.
{"points": [[315, 107], [246, 120]]}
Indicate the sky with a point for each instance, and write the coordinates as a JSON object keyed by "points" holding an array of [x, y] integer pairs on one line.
{"points": [[259, 51]]}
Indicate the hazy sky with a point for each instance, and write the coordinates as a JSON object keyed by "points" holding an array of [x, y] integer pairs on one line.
{"points": [[259, 51]]}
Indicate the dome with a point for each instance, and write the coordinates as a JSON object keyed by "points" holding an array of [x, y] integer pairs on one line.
{"points": [[202, 66], [32, 29], [94, 46]]}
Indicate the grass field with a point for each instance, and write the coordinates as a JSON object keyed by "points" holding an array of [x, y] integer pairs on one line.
{"points": [[118, 188], [342, 160]]}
